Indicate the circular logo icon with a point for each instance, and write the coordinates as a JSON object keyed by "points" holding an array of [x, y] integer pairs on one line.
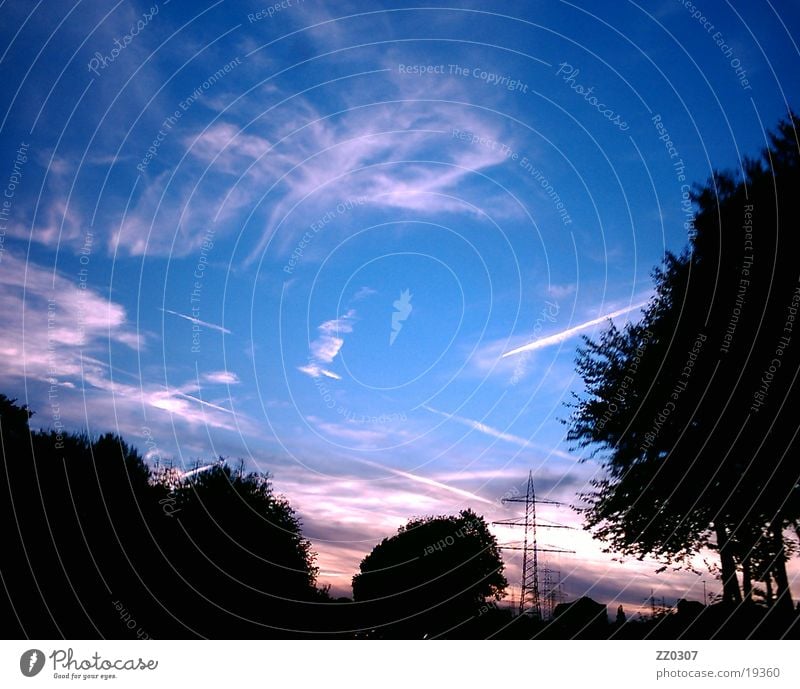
{"points": [[31, 662]]}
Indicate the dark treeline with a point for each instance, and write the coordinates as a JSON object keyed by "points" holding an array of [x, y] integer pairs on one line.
{"points": [[96, 544]]}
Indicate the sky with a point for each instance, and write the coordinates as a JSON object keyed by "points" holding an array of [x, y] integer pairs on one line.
{"points": [[356, 245]]}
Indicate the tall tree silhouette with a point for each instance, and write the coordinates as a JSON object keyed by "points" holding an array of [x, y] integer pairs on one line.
{"points": [[692, 411], [436, 576]]}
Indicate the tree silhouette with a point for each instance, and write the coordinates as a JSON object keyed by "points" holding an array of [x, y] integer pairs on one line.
{"points": [[436, 576], [692, 410], [73, 512], [240, 553], [95, 545]]}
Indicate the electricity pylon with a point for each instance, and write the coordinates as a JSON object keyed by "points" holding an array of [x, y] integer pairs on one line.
{"points": [[529, 598]]}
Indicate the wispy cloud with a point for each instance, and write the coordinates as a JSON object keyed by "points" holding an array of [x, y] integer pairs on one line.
{"points": [[52, 328], [363, 293], [392, 157], [564, 335]]}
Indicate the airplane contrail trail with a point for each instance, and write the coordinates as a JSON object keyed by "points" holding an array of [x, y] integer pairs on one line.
{"points": [[481, 427], [427, 481], [570, 332], [191, 319]]}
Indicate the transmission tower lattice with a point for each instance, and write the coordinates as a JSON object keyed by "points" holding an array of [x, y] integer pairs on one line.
{"points": [[552, 591], [530, 599]]}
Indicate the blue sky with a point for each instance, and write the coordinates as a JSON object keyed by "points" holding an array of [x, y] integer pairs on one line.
{"points": [[308, 237]]}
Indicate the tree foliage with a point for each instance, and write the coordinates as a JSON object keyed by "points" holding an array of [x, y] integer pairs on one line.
{"points": [[434, 575], [97, 545], [692, 410]]}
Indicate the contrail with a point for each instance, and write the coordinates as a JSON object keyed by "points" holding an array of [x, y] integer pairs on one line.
{"points": [[191, 319], [480, 427], [557, 338], [427, 481], [495, 433], [203, 402]]}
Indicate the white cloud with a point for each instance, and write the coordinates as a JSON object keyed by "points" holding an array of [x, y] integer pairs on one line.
{"points": [[59, 335], [393, 156], [221, 378], [52, 328], [325, 348], [58, 224]]}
